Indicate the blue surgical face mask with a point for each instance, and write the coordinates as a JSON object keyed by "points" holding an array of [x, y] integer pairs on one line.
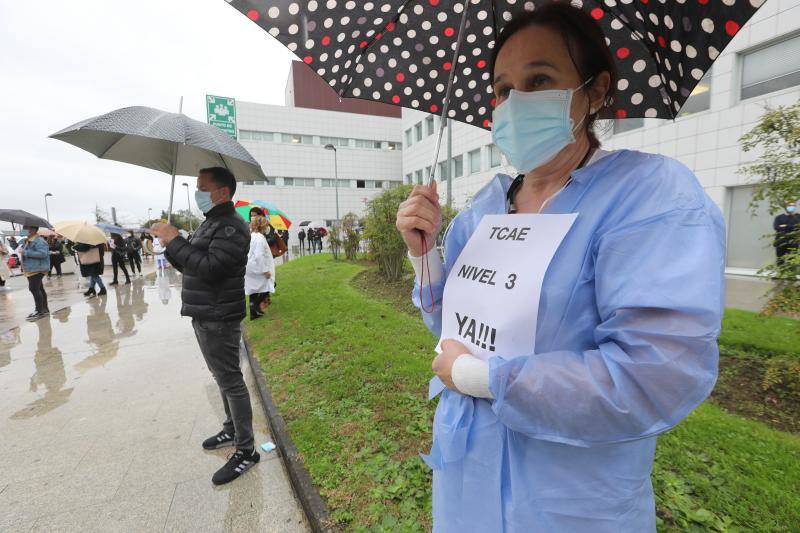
{"points": [[203, 201], [791, 208], [530, 128]]}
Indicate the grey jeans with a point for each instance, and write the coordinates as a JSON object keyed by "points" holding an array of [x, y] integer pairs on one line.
{"points": [[219, 342]]}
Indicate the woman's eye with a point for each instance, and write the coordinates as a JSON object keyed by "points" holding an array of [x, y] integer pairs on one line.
{"points": [[503, 92], [538, 81]]}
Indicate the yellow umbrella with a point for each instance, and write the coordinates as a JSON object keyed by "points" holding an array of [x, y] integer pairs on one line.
{"points": [[277, 222], [80, 231]]}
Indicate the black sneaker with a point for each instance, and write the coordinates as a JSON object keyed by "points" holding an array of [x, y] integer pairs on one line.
{"points": [[115, 282], [32, 316], [238, 463], [220, 440], [90, 293], [102, 292]]}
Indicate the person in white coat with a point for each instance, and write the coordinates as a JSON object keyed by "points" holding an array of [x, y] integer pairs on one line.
{"points": [[259, 278]]}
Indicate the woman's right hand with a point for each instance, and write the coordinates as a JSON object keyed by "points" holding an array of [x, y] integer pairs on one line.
{"points": [[420, 212]]}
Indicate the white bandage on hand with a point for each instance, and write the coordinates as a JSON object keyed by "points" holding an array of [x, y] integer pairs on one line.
{"points": [[435, 263], [471, 376]]}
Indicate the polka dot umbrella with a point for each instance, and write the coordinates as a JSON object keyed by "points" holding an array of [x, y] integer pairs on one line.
{"points": [[403, 52]]}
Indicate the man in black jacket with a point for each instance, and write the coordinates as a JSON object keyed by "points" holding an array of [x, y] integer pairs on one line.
{"points": [[213, 264]]}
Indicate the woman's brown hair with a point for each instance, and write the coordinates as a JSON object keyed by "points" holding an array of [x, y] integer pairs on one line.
{"points": [[586, 45], [258, 224]]}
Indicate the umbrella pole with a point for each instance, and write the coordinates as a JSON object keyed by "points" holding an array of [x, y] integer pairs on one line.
{"points": [[174, 167], [171, 194], [446, 107]]}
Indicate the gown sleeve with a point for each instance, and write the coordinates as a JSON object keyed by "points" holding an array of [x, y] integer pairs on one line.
{"points": [[659, 289], [428, 298]]}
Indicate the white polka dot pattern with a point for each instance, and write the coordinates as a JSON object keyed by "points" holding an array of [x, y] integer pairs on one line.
{"points": [[401, 51]]}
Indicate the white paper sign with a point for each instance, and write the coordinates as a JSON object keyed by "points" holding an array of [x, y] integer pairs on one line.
{"points": [[491, 298]]}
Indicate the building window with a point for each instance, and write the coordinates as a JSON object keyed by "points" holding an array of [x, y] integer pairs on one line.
{"points": [[299, 182], [495, 159], [290, 138], [700, 99], [458, 166], [427, 173], [747, 247], [475, 161], [393, 146], [429, 125], [627, 124], [418, 131], [378, 184], [408, 137], [772, 68], [409, 179], [440, 170], [244, 135], [419, 176], [361, 184]]}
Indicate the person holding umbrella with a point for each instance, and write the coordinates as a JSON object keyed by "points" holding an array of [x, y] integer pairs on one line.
{"points": [[35, 256], [213, 265], [90, 258], [599, 329]]}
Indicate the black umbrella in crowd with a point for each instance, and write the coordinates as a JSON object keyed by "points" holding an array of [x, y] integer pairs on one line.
{"points": [[402, 51], [23, 218]]}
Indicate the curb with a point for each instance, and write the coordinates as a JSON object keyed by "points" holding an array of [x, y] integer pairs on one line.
{"points": [[314, 507]]}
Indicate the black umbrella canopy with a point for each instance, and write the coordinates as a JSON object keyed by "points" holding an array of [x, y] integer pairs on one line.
{"points": [[160, 140], [401, 51], [23, 218]]}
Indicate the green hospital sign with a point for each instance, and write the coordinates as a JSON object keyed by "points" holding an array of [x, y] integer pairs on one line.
{"points": [[222, 113]]}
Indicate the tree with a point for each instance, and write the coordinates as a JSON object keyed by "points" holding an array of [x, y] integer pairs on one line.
{"points": [[101, 216], [351, 235], [386, 247], [335, 241], [180, 219], [777, 180]]}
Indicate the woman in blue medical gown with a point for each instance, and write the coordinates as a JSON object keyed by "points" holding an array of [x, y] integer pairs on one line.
{"points": [[629, 312]]}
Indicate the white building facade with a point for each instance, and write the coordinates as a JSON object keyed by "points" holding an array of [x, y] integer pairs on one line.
{"points": [[759, 69], [289, 143]]}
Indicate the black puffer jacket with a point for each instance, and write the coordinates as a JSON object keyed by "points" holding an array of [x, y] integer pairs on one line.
{"points": [[213, 265]]}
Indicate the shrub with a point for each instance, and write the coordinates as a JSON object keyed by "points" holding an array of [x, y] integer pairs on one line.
{"points": [[386, 246], [335, 241], [350, 236], [782, 376]]}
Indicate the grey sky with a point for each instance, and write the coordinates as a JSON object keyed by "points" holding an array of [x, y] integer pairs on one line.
{"points": [[62, 62]]}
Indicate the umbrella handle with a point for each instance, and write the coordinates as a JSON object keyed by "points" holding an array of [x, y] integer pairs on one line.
{"points": [[446, 107], [426, 268]]}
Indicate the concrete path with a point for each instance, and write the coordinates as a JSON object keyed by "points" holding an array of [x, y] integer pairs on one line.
{"points": [[103, 408]]}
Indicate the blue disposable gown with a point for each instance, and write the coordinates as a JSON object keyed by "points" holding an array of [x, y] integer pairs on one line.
{"points": [[626, 347]]}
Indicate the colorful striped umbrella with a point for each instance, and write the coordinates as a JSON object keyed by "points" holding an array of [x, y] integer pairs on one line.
{"points": [[277, 218]]}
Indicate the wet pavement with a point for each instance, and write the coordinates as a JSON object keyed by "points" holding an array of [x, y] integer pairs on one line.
{"points": [[103, 407]]}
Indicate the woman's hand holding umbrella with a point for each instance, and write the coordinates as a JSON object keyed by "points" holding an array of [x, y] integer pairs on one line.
{"points": [[420, 215]]}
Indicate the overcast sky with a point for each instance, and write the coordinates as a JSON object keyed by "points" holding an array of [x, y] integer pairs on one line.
{"points": [[61, 62]]}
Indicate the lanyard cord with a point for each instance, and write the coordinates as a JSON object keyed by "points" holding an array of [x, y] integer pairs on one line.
{"points": [[426, 269], [517, 183]]}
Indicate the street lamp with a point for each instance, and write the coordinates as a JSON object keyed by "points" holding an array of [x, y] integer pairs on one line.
{"points": [[47, 209], [189, 203], [336, 178]]}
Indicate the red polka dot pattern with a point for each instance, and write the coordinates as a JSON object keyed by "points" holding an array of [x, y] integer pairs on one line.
{"points": [[401, 52]]}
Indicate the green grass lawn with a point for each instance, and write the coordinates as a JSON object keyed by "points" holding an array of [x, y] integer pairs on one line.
{"points": [[349, 372], [770, 335]]}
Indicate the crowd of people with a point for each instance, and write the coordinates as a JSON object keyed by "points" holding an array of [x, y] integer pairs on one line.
{"points": [[312, 237]]}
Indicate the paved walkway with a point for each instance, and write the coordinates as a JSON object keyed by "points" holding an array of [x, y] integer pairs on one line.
{"points": [[103, 408]]}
